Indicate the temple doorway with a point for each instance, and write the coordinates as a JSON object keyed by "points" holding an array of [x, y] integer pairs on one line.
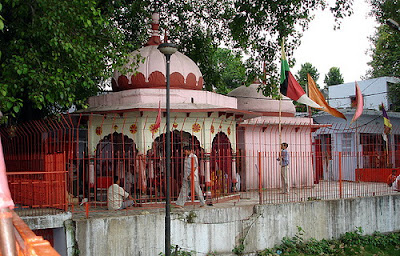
{"points": [[221, 165], [179, 139]]}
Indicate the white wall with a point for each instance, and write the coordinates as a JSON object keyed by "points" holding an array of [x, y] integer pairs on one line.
{"points": [[374, 93], [218, 230]]}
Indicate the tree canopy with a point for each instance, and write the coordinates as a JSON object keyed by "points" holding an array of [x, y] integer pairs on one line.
{"points": [[385, 49], [301, 76], [55, 52], [231, 70], [333, 77]]}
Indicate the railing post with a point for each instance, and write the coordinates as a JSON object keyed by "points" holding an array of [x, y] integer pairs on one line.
{"points": [[340, 176], [87, 210], [259, 178], [234, 179], [208, 179], [7, 237]]}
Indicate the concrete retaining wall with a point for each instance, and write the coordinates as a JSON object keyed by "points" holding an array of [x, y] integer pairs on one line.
{"points": [[219, 230]]}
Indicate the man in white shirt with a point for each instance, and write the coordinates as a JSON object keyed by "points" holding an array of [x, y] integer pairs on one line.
{"points": [[116, 196], [186, 183]]}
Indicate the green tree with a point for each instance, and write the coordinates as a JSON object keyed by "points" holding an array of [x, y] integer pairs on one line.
{"points": [[333, 77], [385, 53], [59, 50], [385, 50], [231, 69], [301, 76]]}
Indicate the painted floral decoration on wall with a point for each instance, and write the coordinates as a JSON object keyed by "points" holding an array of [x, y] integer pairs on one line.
{"points": [[212, 129], [99, 130], [133, 128], [175, 125], [229, 131], [153, 128], [196, 127]]}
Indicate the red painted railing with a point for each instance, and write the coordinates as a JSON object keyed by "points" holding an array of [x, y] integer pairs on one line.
{"points": [[51, 168]]}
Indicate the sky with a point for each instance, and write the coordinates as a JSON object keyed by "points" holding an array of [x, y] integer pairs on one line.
{"points": [[345, 48]]}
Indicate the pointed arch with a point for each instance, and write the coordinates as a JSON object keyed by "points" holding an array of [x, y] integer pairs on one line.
{"points": [[221, 164], [157, 153], [115, 156]]}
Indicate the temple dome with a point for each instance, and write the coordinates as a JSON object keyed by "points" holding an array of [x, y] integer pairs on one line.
{"points": [[151, 73], [249, 99]]}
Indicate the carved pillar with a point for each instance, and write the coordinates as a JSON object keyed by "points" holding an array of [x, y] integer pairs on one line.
{"points": [[207, 176], [234, 180]]}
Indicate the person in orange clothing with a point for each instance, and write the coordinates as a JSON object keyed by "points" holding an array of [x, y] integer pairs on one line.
{"points": [[393, 180]]}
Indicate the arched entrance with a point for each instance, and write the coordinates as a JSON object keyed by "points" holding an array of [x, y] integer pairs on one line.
{"points": [[116, 155], [156, 154], [221, 165]]}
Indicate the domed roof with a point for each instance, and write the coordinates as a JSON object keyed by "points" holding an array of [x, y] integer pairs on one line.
{"points": [[249, 99], [151, 73]]}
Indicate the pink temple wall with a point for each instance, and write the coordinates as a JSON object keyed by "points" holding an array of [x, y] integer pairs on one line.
{"points": [[265, 139]]}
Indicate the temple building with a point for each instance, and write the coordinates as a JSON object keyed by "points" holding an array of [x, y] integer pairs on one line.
{"points": [[123, 128]]}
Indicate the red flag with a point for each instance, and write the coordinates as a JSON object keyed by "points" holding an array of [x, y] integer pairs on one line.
{"points": [[360, 104], [290, 87], [158, 119]]}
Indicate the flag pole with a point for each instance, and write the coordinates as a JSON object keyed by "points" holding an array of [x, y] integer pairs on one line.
{"points": [[387, 152], [316, 178], [280, 107], [308, 107], [357, 156], [279, 123]]}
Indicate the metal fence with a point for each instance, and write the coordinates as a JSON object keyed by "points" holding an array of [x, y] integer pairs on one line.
{"points": [[50, 169]]}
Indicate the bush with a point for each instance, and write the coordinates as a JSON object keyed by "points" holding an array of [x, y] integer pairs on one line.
{"points": [[351, 243]]}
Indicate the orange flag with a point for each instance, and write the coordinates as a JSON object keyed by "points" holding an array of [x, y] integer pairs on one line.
{"points": [[318, 98]]}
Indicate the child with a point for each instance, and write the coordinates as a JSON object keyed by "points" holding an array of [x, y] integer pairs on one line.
{"points": [[394, 181]]}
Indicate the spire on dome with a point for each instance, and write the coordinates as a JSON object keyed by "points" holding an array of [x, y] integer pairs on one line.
{"points": [[165, 37], [155, 35]]}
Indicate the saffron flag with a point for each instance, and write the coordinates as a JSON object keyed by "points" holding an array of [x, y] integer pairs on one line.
{"points": [[359, 102], [290, 87], [387, 126], [316, 96], [158, 119]]}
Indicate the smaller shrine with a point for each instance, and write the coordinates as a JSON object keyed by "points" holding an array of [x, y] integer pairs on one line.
{"points": [[259, 139]]}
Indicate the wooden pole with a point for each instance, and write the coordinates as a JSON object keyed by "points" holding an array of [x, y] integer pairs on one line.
{"points": [[192, 170], [260, 178], [340, 176]]}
